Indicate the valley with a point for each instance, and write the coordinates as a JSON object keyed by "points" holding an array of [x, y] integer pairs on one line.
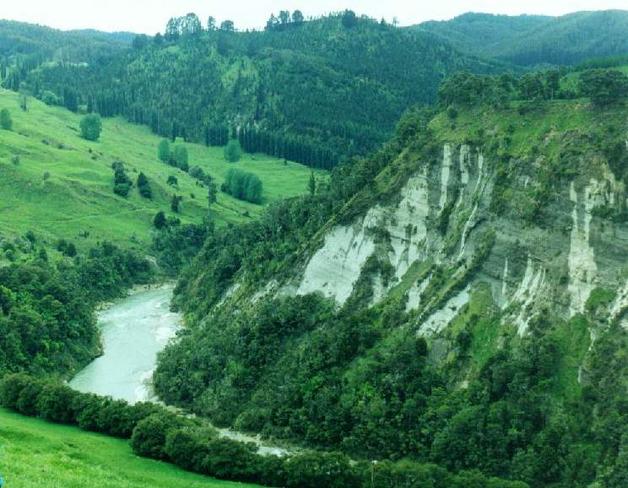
{"points": [[333, 252]]}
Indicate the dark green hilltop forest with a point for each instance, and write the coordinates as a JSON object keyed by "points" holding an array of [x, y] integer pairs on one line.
{"points": [[399, 252], [530, 40], [314, 92]]}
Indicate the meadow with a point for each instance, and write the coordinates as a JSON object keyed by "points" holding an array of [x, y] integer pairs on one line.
{"points": [[38, 454], [61, 186]]}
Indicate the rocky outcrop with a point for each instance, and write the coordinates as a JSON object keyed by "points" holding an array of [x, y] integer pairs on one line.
{"points": [[441, 216]]}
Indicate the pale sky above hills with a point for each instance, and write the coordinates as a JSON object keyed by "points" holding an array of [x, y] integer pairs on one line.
{"points": [[150, 16]]}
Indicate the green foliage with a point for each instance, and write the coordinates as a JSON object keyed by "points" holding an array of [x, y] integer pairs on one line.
{"points": [[599, 297], [532, 40], [233, 151], [179, 157], [91, 127], [6, 122], [121, 182], [604, 86], [143, 185], [160, 221], [243, 185], [299, 98], [163, 151]]}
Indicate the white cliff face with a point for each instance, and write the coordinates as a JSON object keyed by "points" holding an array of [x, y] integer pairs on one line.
{"points": [[529, 293], [445, 172], [619, 308], [582, 266], [440, 319], [415, 292], [335, 268]]}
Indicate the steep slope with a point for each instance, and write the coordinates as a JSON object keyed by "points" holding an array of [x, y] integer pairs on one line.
{"points": [[533, 40], [467, 306], [327, 89], [61, 186]]}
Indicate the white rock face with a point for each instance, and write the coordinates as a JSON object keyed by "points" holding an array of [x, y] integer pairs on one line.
{"points": [[530, 291], [443, 317], [582, 267], [620, 306], [445, 172], [415, 292], [336, 267]]}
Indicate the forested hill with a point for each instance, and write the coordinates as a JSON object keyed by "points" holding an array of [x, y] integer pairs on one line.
{"points": [[19, 38], [311, 91], [531, 40]]}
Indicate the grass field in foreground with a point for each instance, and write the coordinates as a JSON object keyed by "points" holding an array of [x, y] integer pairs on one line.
{"points": [[38, 454], [77, 198]]}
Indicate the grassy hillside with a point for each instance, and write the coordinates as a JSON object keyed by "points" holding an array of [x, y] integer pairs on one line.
{"points": [[77, 197], [37, 454]]}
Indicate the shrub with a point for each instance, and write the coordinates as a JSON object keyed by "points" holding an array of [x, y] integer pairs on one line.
{"points": [[143, 185], [149, 435], [160, 221], [91, 127], [233, 151], [163, 151], [54, 403], [180, 158], [5, 119], [243, 185], [313, 470]]}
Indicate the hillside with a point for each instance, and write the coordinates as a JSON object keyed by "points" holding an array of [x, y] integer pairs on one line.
{"points": [[328, 88], [62, 185], [530, 40], [37, 454], [458, 298]]}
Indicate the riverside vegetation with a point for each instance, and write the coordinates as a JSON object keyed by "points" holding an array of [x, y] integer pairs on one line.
{"points": [[449, 310]]}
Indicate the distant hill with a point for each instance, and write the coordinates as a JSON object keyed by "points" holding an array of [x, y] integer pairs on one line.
{"points": [[531, 40], [20, 38]]}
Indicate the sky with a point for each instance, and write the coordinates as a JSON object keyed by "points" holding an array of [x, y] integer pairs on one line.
{"points": [[150, 16]]}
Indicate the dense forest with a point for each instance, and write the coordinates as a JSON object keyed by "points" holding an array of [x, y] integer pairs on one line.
{"points": [[530, 40], [313, 91], [47, 321]]}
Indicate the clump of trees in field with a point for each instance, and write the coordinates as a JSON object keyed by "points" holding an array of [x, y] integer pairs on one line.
{"points": [[121, 182], [243, 186], [91, 127], [176, 155], [233, 151]]}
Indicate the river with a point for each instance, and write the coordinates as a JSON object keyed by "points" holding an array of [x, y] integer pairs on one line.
{"points": [[133, 330]]}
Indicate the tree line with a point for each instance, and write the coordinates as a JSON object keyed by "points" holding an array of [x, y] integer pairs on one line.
{"points": [[155, 432]]}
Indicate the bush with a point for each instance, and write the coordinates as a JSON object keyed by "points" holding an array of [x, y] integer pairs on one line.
{"points": [[54, 403], [243, 185], [180, 158], [163, 151], [5, 119], [233, 151], [49, 98], [91, 127], [313, 470], [160, 221], [143, 185], [149, 435]]}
